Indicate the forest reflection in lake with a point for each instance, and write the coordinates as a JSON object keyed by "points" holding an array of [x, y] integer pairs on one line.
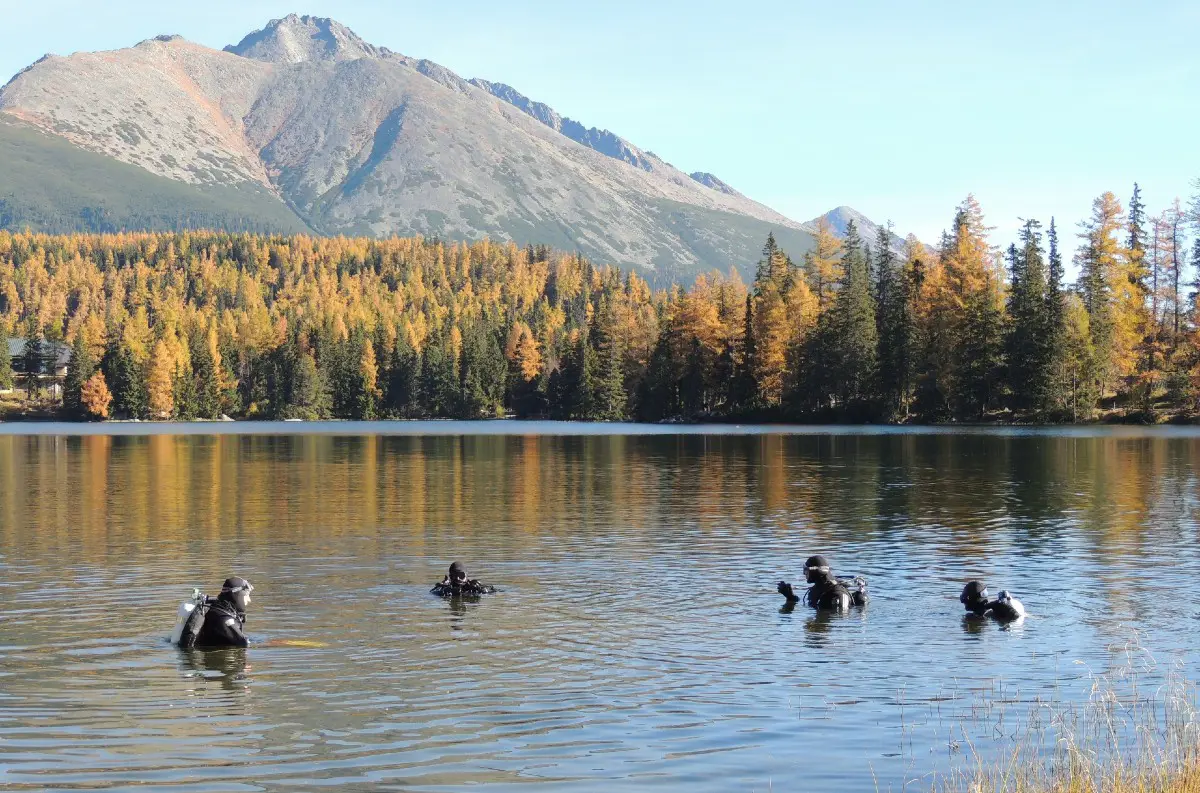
{"points": [[637, 642]]}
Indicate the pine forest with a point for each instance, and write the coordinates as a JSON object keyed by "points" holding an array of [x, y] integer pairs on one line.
{"points": [[202, 325]]}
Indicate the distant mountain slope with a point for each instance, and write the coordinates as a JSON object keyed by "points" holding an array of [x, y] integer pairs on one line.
{"points": [[352, 138], [47, 184]]}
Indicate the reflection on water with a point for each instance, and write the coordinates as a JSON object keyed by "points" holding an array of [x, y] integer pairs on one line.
{"points": [[637, 640]]}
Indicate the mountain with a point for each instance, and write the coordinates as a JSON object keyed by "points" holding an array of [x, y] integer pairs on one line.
{"points": [[839, 220], [303, 125]]}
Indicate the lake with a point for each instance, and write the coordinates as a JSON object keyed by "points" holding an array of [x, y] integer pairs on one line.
{"points": [[637, 641]]}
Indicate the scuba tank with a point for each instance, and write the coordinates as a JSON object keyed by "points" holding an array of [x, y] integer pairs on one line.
{"points": [[189, 621]]}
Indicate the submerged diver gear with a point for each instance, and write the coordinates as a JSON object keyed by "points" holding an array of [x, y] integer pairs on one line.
{"points": [[190, 620]]}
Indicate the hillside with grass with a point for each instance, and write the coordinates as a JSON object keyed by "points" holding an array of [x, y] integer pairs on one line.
{"points": [[47, 184]]}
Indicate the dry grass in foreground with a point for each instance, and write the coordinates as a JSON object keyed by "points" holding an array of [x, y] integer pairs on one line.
{"points": [[1129, 737]]}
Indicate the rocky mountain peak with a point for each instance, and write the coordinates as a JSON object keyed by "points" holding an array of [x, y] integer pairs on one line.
{"points": [[708, 180], [296, 39], [839, 219]]}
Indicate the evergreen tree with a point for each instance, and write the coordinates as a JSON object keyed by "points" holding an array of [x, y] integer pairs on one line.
{"points": [[896, 330], [308, 397], [609, 389], [404, 380], [1136, 244], [79, 370], [579, 386], [1027, 345], [982, 359], [693, 386], [768, 266], [6, 372], [126, 380], [855, 337], [439, 379], [33, 360], [745, 395], [205, 379], [659, 397], [1057, 397], [484, 373]]}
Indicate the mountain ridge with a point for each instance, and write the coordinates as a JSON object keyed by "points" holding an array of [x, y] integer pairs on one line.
{"points": [[357, 139]]}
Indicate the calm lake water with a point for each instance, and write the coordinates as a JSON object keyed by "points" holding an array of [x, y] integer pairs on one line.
{"points": [[637, 642]]}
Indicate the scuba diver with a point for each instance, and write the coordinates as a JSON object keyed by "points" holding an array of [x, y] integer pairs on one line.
{"points": [[206, 622], [1005, 608], [456, 584], [826, 591]]}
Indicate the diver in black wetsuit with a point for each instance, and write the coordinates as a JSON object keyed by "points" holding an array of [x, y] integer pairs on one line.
{"points": [[456, 584], [825, 590], [225, 620], [1004, 608]]}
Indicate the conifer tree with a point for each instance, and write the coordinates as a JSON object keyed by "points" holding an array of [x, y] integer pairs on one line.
{"points": [[439, 379], [33, 359], [404, 380], [772, 338], [745, 389], [79, 370], [981, 358], [609, 397], [1136, 243], [160, 381], [1028, 344], [1113, 301], [366, 385], [1177, 224], [894, 321], [205, 378], [483, 372], [94, 397], [126, 380], [1057, 401], [6, 371], [580, 385], [308, 397], [823, 265], [855, 337]]}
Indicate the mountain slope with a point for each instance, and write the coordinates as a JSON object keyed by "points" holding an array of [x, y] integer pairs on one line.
{"points": [[356, 139], [47, 184]]}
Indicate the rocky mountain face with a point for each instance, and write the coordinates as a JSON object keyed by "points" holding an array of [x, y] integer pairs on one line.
{"points": [[297, 39], [350, 138]]}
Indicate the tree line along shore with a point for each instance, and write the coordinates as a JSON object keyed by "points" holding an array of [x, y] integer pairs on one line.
{"points": [[199, 325]]}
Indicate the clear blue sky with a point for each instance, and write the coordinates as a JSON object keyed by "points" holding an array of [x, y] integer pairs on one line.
{"points": [[897, 109]]}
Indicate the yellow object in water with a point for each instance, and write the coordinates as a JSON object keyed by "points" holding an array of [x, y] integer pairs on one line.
{"points": [[295, 643]]}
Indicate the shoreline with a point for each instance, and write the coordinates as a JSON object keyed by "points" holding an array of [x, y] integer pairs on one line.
{"points": [[502, 427]]}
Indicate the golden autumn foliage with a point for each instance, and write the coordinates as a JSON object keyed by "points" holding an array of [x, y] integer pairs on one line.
{"points": [[198, 324], [95, 397]]}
